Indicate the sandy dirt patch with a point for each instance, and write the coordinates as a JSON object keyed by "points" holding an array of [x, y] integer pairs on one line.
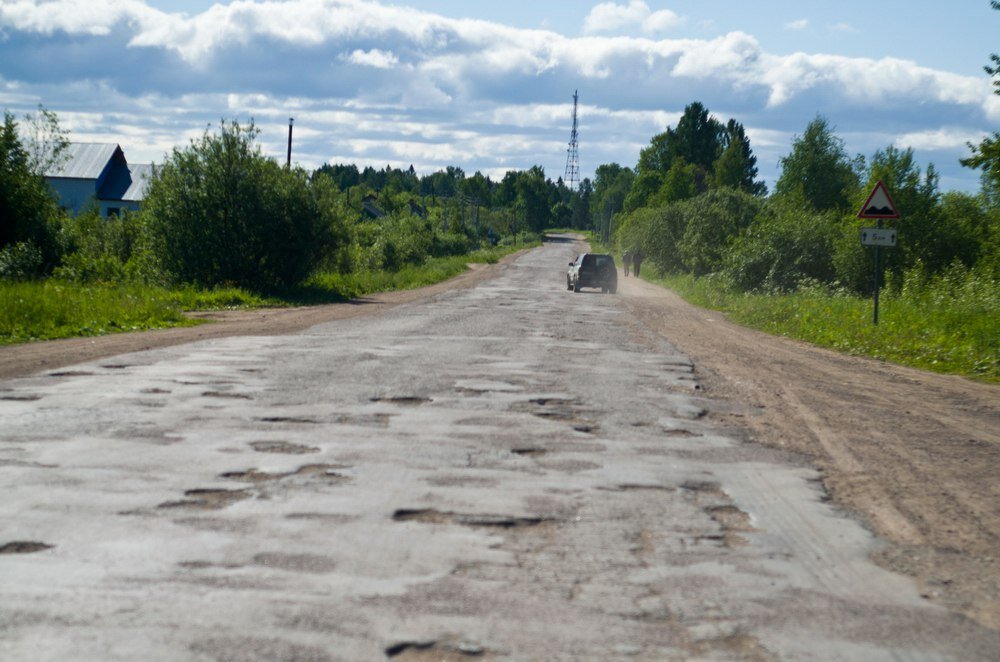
{"points": [[914, 453]]}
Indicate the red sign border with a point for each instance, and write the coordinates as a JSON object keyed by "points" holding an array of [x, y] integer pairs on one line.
{"points": [[895, 212]]}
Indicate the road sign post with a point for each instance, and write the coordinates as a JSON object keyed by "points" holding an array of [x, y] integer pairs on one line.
{"points": [[879, 206]]}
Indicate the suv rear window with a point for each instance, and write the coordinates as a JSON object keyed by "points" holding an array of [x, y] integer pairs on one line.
{"points": [[599, 261]]}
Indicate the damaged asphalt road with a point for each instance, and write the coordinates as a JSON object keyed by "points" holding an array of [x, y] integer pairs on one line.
{"points": [[512, 470]]}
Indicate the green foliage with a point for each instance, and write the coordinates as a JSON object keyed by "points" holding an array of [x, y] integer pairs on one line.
{"points": [[692, 235], [949, 324], [680, 183], [45, 141], [986, 155], [713, 221], [818, 170], [784, 247], [20, 261], [221, 212], [700, 153], [51, 309], [737, 166], [109, 250], [27, 206]]}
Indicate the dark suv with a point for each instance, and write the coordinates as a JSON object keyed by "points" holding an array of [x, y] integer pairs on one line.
{"points": [[592, 270]]}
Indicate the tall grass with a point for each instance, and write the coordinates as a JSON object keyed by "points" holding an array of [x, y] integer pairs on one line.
{"points": [[45, 310], [345, 286], [949, 324]]}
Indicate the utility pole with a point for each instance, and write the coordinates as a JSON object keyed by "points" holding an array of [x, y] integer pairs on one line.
{"points": [[572, 175], [288, 164]]}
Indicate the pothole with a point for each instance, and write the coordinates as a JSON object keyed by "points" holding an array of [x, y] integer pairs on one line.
{"points": [[227, 394], [704, 487], [460, 481], [286, 447], [419, 651], [116, 366], [208, 499], [637, 487], [256, 476], [680, 432], [252, 476], [549, 402], [155, 391], [21, 398], [288, 419], [24, 547], [405, 400], [379, 420], [529, 451], [432, 516], [71, 373], [730, 518]]}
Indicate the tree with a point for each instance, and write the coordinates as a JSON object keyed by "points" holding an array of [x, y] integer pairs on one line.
{"points": [[711, 155], [533, 198], [698, 137], [986, 155], [580, 203], [737, 166], [45, 141], [713, 220], [27, 207], [818, 169], [221, 212], [680, 183]]}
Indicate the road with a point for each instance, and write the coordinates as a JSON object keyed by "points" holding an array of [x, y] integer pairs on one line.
{"points": [[509, 470]]}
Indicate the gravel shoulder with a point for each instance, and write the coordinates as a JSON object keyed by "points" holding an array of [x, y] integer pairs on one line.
{"points": [[912, 453]]}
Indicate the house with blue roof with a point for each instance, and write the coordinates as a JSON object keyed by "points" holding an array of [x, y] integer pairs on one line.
{"points": [[98, 173]]}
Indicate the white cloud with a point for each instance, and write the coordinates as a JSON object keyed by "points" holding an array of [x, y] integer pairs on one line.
{"points": [[75, 16], [373, 58], [844, 27], [475, 93], [612, 17], [942, 139], [800, 24]]}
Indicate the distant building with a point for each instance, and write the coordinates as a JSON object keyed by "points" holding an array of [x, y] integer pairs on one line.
{"points": [[97, 173], [369, 208]]}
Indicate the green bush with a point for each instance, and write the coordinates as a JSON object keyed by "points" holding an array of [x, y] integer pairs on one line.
{"points": [[784, 247], [20, 261], [221, 212], [713, 221]]}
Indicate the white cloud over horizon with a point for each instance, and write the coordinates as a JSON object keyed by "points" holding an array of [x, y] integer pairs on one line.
{"points": [[392, 83]]}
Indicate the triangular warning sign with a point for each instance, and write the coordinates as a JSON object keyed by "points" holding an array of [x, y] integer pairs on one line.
{"points": [[879, 204]]}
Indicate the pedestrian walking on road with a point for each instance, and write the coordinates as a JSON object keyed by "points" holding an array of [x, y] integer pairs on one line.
{"points": [[637, 259], [626, 260]]}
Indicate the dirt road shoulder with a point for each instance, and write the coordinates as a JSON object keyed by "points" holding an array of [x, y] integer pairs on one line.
{"points": [[913, 453]]}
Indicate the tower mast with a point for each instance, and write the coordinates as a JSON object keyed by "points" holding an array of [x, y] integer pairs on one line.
{"points": [[572, 176]]}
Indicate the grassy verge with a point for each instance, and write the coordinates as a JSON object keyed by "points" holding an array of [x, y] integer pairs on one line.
{"points": [[952, 328], [329, 287], [51, 309], [956, 335]]}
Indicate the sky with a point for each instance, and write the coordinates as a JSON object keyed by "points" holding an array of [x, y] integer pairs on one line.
{"points": [[489, 86]]}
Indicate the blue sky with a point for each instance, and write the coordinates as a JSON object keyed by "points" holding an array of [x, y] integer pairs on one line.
{"points": [[488, 86]]}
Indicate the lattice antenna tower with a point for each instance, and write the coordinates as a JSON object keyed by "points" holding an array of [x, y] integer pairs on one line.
{"points": [[572, 176]]}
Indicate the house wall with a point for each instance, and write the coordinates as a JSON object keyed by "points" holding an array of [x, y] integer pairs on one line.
{"points": [[74, 195], [77, 195]]}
